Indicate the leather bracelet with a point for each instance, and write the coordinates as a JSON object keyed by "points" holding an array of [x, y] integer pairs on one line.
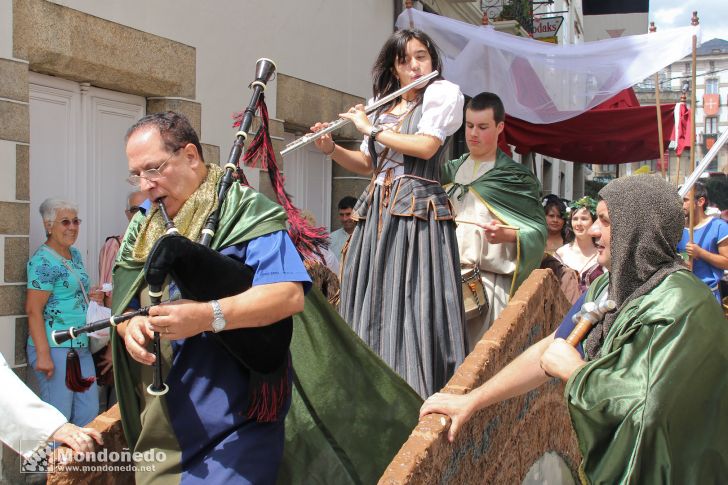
{"points": [[332, 151]]}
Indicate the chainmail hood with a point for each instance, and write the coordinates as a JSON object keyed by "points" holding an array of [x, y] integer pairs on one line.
{"points": [[646, 225]]}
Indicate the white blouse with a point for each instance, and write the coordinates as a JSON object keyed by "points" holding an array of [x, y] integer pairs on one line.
{"points": [[442, 115]]}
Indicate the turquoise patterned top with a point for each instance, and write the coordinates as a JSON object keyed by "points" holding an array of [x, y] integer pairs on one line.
{"points": [[66, 306]]}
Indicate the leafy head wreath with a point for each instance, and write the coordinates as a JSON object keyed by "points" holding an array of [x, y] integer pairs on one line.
{"points": [[585, 202]]}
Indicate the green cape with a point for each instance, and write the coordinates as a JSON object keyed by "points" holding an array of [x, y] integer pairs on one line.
{"points": [[350, 413], [654, 407], [245, 215], [513, 194]]}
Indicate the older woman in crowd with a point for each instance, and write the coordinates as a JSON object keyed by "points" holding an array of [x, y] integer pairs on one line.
{"points": [[57, 298]]}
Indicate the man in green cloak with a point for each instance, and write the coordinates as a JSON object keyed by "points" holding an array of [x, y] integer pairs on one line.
{"points": [[501, 228], [223, 420], [649, 397]]}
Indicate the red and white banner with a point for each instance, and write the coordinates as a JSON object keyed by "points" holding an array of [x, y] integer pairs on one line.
{"points": [[711, 104], [680, 138]]}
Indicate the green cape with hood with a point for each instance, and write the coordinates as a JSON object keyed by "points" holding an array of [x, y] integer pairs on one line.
{"points": [[513, 194], [653, 406]]}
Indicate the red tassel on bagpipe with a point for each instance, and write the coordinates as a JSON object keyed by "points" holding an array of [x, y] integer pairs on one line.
{"points": [[308, 240], [74, 379]]}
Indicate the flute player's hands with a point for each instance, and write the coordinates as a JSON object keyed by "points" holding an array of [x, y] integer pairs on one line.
{"points": [[325, 143], [358, 116]]}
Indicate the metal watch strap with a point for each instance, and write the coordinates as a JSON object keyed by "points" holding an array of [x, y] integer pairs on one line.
{"points": [[217, 315]]}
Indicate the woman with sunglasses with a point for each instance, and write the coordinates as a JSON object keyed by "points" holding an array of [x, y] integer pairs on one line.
{"points": [[57, 298]]}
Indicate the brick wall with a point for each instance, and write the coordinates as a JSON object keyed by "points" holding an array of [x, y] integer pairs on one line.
{"points": [[501, 443]]}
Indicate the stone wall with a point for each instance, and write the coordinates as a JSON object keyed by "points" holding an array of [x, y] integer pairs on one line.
{"points": [[499, 444]]}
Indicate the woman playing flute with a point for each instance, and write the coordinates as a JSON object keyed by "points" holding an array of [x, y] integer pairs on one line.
{"points": [[400, 286]]}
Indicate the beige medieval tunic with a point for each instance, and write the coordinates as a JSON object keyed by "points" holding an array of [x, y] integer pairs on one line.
{"points": [[496, 262]]}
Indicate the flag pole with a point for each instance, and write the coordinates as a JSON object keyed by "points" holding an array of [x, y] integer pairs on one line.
{"points": [[659, 113], [683, 100], [693, 21]]}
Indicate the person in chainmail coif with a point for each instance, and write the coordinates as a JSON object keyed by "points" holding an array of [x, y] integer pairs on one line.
{"points": [[643, 247], [648, 369]]}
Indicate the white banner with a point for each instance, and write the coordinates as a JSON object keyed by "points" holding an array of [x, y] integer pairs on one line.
{"points": [[541, 82]]}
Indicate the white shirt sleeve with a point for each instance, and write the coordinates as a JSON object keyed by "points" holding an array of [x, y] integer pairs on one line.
{"points": [[27, 421], [442, 110]]}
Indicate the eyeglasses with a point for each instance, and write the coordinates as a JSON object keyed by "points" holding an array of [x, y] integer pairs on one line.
{"points": [[134, 209], [67, 222], [151, 174]]}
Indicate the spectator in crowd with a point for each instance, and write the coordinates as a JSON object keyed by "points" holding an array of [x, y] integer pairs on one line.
{"points": [[57, 298], [559, 232], [338, 238], [709, 248], [136, 202], [581, 254], [327, 256]]}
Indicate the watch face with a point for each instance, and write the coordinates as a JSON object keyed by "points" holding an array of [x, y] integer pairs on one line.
{"points": [[218, 324]]}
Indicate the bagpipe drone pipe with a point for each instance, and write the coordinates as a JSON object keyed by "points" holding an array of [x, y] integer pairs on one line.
{"points": [[203, 274]]}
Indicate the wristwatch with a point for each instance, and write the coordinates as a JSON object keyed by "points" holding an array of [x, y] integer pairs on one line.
{"points": [[218, 321], [376, 129]]}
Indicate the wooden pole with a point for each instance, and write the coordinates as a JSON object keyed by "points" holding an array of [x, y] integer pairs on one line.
{"points": [[659, 112], [683, 99], [694, 21]]}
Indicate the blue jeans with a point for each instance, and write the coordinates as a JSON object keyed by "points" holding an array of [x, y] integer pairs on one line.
{"points": [[80, 408]]}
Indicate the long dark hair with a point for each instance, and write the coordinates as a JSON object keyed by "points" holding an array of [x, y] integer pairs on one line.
{"points": [[553, 202], [383, 78]]}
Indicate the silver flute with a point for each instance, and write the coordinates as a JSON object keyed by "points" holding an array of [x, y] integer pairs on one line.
{"points": [[335, 125]]}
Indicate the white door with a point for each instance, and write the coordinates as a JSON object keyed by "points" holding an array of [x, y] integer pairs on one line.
{"points": [[308, 180], [77, 153]]}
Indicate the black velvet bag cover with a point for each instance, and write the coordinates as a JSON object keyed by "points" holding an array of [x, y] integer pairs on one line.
{"points": [[203, 274]]}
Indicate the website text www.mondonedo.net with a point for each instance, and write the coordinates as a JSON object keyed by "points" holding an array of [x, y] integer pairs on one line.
{"points": [[91, 462]]}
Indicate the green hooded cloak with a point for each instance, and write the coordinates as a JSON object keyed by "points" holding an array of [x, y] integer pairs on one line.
{"points": [[513, 194], [652, 407]]}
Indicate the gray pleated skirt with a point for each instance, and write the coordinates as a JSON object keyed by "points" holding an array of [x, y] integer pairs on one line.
{"points": [[400, 287]]}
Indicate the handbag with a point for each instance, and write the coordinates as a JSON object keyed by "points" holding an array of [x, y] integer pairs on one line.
{"points": [[474, 299], [94, 312]]}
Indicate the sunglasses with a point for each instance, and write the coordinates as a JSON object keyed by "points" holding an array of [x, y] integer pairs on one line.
{"points": [[67, 222]]}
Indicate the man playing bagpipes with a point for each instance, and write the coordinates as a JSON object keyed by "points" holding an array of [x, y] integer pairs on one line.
{"points": [[648, 393], [222, 417], [215, 407]]}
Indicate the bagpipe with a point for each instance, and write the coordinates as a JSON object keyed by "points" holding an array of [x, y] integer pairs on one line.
{"points": [[203, 274]]}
